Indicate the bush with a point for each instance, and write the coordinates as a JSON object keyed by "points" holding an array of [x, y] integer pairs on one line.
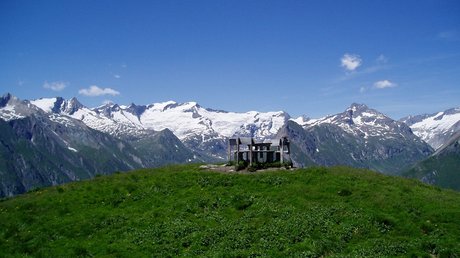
{"points": [[241, 165]]}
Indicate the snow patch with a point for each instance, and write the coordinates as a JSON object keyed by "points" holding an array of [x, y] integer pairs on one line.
{"points": [[72, 149], [8, 113], [45, 104]]}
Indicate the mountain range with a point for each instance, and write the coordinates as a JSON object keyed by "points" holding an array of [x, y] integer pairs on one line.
{"points": [[435, 129], [49, 141], [201, 129], [359, 137]]}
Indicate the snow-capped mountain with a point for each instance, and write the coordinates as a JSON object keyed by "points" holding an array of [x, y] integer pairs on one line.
{"points": [[95, 119], [42, 147], [435, 128], [360, 120], [360, 137], [198, 127], [13, 108], [185, 120]]}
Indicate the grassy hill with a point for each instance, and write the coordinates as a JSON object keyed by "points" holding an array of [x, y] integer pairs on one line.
{"points": [[183, 211]]}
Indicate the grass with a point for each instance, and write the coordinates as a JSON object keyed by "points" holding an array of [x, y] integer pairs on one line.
{"points": [[183, 211]]}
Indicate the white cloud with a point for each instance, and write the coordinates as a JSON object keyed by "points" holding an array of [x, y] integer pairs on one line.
{"points": [[55, 86], [117, 76], [107, 102], [362, 89], [94, 91], [384, 84], [351, 61]]}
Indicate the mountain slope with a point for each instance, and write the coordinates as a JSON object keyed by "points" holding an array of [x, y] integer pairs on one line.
{"points": [[182, 211], [34, 155], [47, 148], [163, 147], [359, 137], [437, 128], [442, 168]]}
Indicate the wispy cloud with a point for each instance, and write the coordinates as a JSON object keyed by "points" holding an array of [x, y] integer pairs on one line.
{"points": [[94, 91], [55, 86], [21, 82], [381, 63], [350, 61], [381, 59], [117, 76], [383, 84]]}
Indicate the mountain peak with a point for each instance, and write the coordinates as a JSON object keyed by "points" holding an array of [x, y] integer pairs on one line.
{"points": [[135, 109], [73, 106], [74, 101], [357, 107]]}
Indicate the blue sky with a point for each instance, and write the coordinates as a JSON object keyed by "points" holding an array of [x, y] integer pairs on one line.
{"points": [[303, 57]]}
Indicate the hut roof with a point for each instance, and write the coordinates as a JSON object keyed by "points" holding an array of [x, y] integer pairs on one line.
{"points": [[246, 140]]}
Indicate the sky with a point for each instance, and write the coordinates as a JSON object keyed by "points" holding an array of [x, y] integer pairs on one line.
{"points": [[310, 58]]}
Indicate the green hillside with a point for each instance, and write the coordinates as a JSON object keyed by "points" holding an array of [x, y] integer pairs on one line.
{"points": [[443, 171], [183, 211], [442, 168]]}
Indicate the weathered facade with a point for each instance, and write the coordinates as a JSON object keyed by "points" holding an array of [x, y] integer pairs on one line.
{"points": [[247, 149]]}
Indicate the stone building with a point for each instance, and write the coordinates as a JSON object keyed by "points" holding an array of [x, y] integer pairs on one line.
{"points": [[247, 149]]}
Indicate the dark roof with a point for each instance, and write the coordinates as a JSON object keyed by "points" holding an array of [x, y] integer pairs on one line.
{"points": [[250, 141]]}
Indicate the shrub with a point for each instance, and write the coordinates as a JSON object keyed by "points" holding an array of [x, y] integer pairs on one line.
{"points": [[241, 165], [344, 192]]}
